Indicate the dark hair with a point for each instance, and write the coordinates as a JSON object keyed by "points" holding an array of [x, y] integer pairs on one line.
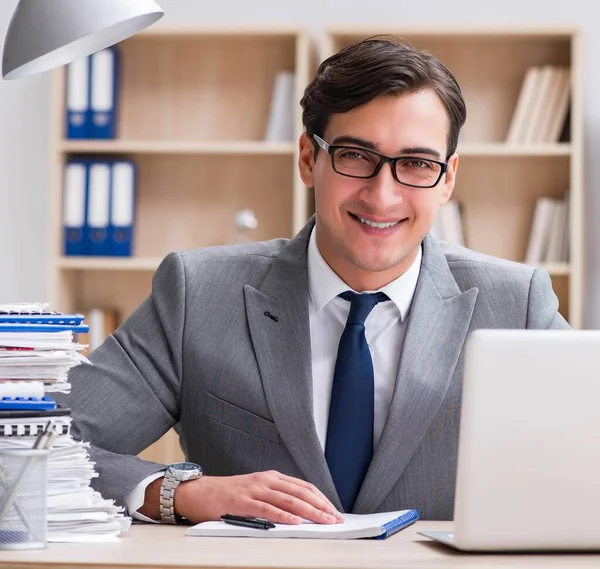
{"points": [[365, 70]]}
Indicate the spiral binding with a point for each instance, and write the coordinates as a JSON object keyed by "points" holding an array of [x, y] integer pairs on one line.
{"points": [[399, 523]]}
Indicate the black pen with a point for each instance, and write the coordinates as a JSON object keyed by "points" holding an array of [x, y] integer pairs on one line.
{"points": [[257, 523]]}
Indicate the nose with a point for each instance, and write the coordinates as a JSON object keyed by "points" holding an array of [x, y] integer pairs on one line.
{"points": [[383, 191]]}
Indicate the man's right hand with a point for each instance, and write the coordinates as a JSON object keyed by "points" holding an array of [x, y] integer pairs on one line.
{"points": [[271, 495]]}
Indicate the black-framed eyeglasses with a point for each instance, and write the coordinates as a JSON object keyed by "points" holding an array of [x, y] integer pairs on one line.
{"points": [[356, 162]]}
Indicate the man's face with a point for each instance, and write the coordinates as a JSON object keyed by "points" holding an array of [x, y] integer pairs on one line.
{"points": [[367, 257]]}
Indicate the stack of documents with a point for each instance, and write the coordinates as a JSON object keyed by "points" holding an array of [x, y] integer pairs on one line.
{"points": [[36, 352], [37, 346]]}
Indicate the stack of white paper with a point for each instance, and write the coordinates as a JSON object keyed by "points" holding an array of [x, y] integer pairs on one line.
{"points": [[50, 367], [75, 511], [33, 363]]}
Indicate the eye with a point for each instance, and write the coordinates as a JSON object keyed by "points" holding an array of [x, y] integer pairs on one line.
{"points": [[417, 164], [353, 155]]}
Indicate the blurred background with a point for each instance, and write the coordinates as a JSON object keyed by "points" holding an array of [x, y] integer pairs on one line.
{"points": [[203, 116]]}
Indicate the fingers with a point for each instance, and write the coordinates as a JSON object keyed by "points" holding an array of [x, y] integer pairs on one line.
{"points": [[299, 506], [308, 493], [272, 513]]}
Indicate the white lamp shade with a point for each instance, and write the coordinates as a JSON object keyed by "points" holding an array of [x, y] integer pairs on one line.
{"points": [[44, 34]]}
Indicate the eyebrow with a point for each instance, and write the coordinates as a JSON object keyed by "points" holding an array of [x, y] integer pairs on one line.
{"points": [[355, 141]]}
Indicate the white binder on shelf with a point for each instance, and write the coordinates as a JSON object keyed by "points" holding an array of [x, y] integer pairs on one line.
{"points": [[74, 207], [98, 210], [78, 99], [103, 100], [122, 208]]}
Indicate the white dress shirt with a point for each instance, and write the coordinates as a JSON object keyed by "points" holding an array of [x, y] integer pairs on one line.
{"points": [[384, 331]]}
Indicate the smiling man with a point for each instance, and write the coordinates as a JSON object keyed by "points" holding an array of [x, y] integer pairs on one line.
{"points": [[323, 373]]}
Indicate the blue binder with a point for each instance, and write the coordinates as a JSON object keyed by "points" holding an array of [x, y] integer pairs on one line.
{"points": [[98, 208], [56, 318], [78, 98], [104, 70], [27, 403], [34, 328], [122, 210], [74, 207]]}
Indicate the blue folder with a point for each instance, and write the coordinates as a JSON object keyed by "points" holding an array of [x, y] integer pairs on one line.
{"points": [[98, 208], [75, 206], [44, 318], [25, 328], [104, 71], [78, 99], [122, 209]]}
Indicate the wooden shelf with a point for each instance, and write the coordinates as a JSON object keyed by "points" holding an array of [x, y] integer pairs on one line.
{"points": [[164, 30], [452, 32], [235, 147], [516, 150], [109, 263], [556, 269], [258, 147]]}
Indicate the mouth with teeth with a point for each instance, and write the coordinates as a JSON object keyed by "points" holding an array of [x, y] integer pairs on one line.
{"points": [[376, 227]]}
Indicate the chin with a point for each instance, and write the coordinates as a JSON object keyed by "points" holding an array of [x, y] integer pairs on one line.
{"points": [[375, 264], [379, 261]]}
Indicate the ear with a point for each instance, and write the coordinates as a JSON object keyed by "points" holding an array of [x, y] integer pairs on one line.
{"points": [[306, 162], [449, 179]]}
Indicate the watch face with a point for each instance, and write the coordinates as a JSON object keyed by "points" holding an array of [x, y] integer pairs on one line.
{"points": [[185, 466]]}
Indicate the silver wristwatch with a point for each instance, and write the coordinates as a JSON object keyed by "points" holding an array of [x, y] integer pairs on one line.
{"points": [[174, 475]]}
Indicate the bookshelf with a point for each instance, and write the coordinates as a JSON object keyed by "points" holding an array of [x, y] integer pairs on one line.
{"points": [[193, 105], [498, 183]]}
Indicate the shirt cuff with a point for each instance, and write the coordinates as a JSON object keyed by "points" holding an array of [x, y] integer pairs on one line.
{"points": [[135, 499]]}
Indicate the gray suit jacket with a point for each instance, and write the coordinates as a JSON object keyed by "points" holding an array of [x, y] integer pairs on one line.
{"points": [[201, 354]]}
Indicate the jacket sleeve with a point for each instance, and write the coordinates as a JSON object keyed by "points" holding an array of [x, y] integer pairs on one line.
{"points": [[542, 304], [129, 397]]}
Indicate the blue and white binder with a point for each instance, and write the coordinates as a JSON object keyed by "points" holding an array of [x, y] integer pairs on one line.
{"points": [[123, 199], [74, 207], [78, 98], [98, 208], [104, 85]]}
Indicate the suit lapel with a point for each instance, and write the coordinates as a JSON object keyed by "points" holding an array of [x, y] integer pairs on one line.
{"points": [[436, 331], [277, 315]]}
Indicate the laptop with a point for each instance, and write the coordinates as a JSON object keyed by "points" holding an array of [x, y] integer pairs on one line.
{"points": [[528, 475]]}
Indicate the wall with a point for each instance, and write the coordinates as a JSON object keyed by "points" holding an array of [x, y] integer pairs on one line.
{"points": [[24, 111]]}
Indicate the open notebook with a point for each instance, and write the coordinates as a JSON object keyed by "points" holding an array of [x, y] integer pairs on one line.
{"points": [[354, 526]]}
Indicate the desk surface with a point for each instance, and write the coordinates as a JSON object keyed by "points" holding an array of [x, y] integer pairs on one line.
{"points": [[158, 546]]}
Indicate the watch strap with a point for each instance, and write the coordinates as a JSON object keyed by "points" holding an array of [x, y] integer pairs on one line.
{"points": [[167, 498]]}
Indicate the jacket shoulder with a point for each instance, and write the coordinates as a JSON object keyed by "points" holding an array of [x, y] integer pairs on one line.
{"points": [[224, 266], [477, 269]]}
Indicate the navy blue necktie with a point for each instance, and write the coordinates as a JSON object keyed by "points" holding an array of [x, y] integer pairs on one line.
{"points": [[349, 445]]}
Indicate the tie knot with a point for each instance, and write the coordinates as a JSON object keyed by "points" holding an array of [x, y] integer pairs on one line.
{"points": [[361, 305]]}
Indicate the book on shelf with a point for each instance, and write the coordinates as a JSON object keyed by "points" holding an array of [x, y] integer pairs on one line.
{"points": [[280, 123], [448, 224], [99, 202], [91, 95], [102, 322], [549, 235], [542, 106]]}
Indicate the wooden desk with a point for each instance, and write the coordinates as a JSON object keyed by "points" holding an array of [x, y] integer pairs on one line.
{"points": [[158, 546]]}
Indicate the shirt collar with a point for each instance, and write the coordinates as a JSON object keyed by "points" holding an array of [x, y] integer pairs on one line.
{"points": [[324, 285]]}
